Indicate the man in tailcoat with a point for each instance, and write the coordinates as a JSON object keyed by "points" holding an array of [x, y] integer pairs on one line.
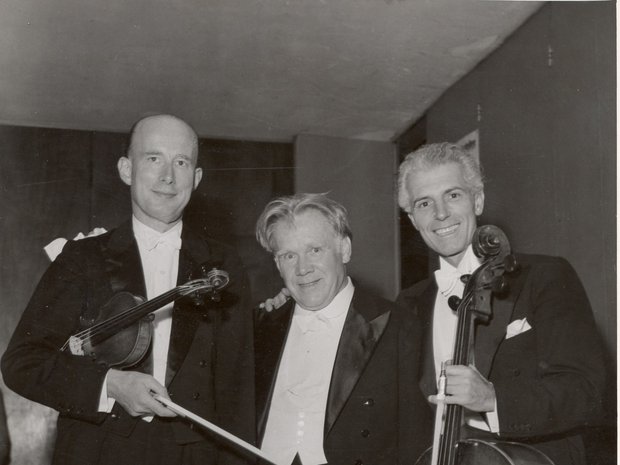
{"points": [[200, 355], [336, 367], [538, 372]]}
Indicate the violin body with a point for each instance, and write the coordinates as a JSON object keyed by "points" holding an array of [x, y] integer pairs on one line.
{"points": [[478, 452], [129, 345], [121, 334]]}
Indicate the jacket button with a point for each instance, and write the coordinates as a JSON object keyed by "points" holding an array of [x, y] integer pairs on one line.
{"points": [[203, 363], [369, 402], [196, 396], [365, 433], [114, 416], [516, 372]]}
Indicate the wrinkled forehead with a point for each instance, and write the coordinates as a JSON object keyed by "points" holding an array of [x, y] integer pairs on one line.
{"points": [[308, 225]]}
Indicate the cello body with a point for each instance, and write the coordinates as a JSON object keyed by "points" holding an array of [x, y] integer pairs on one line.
{"points": [[478, 452]]}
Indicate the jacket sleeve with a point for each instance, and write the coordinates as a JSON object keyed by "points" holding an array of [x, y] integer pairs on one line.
{"points": [[33, 364], [549, 379]]}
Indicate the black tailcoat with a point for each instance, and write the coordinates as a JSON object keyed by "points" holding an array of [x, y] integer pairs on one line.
{"points": [[375, 413], [548, 380], [210, 361]]}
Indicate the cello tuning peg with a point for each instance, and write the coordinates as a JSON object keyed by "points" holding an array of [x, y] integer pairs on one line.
{"points": [[454, 302], [499, 286], [510, 263]]}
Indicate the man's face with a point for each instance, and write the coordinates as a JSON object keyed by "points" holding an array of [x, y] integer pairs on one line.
{"points": [[161, 170], [444, 209], [311, 259]]}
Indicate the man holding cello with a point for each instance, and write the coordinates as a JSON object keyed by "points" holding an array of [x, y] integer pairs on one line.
{"points": [[537, 371], [198, 354]]}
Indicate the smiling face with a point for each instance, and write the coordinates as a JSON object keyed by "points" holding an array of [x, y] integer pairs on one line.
{"points": [[444, 209], [161, 170], [311, 258]]}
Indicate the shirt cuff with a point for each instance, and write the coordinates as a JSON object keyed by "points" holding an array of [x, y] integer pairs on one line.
{"points": [[493, 419], [105, 403]]}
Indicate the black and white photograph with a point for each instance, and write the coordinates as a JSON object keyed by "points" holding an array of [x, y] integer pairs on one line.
{"points": [[308, 232]]}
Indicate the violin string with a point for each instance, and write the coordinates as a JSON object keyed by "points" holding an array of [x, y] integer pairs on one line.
{"points": [[116, 322], [159, 301], [126, 315]]}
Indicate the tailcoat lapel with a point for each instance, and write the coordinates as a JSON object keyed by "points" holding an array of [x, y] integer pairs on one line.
{"points": [[186, 317], [490, 335], [122, 262], [362, 329], [271, 332], [424, 304]]}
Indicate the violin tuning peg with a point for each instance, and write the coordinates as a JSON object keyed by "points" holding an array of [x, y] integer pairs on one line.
{"points": [[464, 278]]}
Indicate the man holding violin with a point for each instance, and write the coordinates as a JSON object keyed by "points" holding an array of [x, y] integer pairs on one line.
{"points": [[198, 355], [538, 373]]}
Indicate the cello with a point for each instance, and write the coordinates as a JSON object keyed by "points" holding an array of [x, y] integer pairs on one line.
{"points": [[491, 245], [121, 334]]}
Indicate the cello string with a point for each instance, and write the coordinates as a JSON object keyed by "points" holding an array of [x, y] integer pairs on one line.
{"points": [[452, 429]]}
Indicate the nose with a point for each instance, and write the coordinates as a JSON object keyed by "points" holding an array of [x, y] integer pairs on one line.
{"points": [[303, 266], [441, 211], [167, 174]]}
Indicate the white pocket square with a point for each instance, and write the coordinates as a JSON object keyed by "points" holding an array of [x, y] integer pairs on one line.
{"points": [[517, 327]]}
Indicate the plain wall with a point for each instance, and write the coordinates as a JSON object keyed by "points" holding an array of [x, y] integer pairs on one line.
{"points": [[544, 104], [360, 175]]}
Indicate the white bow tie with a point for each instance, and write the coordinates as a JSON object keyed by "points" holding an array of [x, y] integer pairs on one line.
{"points": [[170, 240], [447, 281], [314, 322]]}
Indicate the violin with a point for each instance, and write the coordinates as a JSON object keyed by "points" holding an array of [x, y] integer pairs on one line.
{"points": [[121, 335], [491, 245]]}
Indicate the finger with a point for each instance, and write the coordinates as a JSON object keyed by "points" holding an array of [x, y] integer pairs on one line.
{"points": [[159, 409]]}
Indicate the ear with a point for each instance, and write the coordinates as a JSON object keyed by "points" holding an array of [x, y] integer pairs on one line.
{"points": [[410, 215], [124, 169], [345, 249], [479, 202], [197, 177]]}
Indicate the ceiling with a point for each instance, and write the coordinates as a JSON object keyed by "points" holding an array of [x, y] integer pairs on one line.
{"points": [[262, 70]]}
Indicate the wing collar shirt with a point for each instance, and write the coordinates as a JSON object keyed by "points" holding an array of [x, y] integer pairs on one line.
{"points": [[159, 253], [296, 420], [445, 321]]}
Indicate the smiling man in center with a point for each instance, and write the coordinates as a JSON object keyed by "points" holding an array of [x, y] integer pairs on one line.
{"points": [[335, 366]]}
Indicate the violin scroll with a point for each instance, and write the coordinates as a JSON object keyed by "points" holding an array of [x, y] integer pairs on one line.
{"points": [[212, 281], [218, 279]]}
